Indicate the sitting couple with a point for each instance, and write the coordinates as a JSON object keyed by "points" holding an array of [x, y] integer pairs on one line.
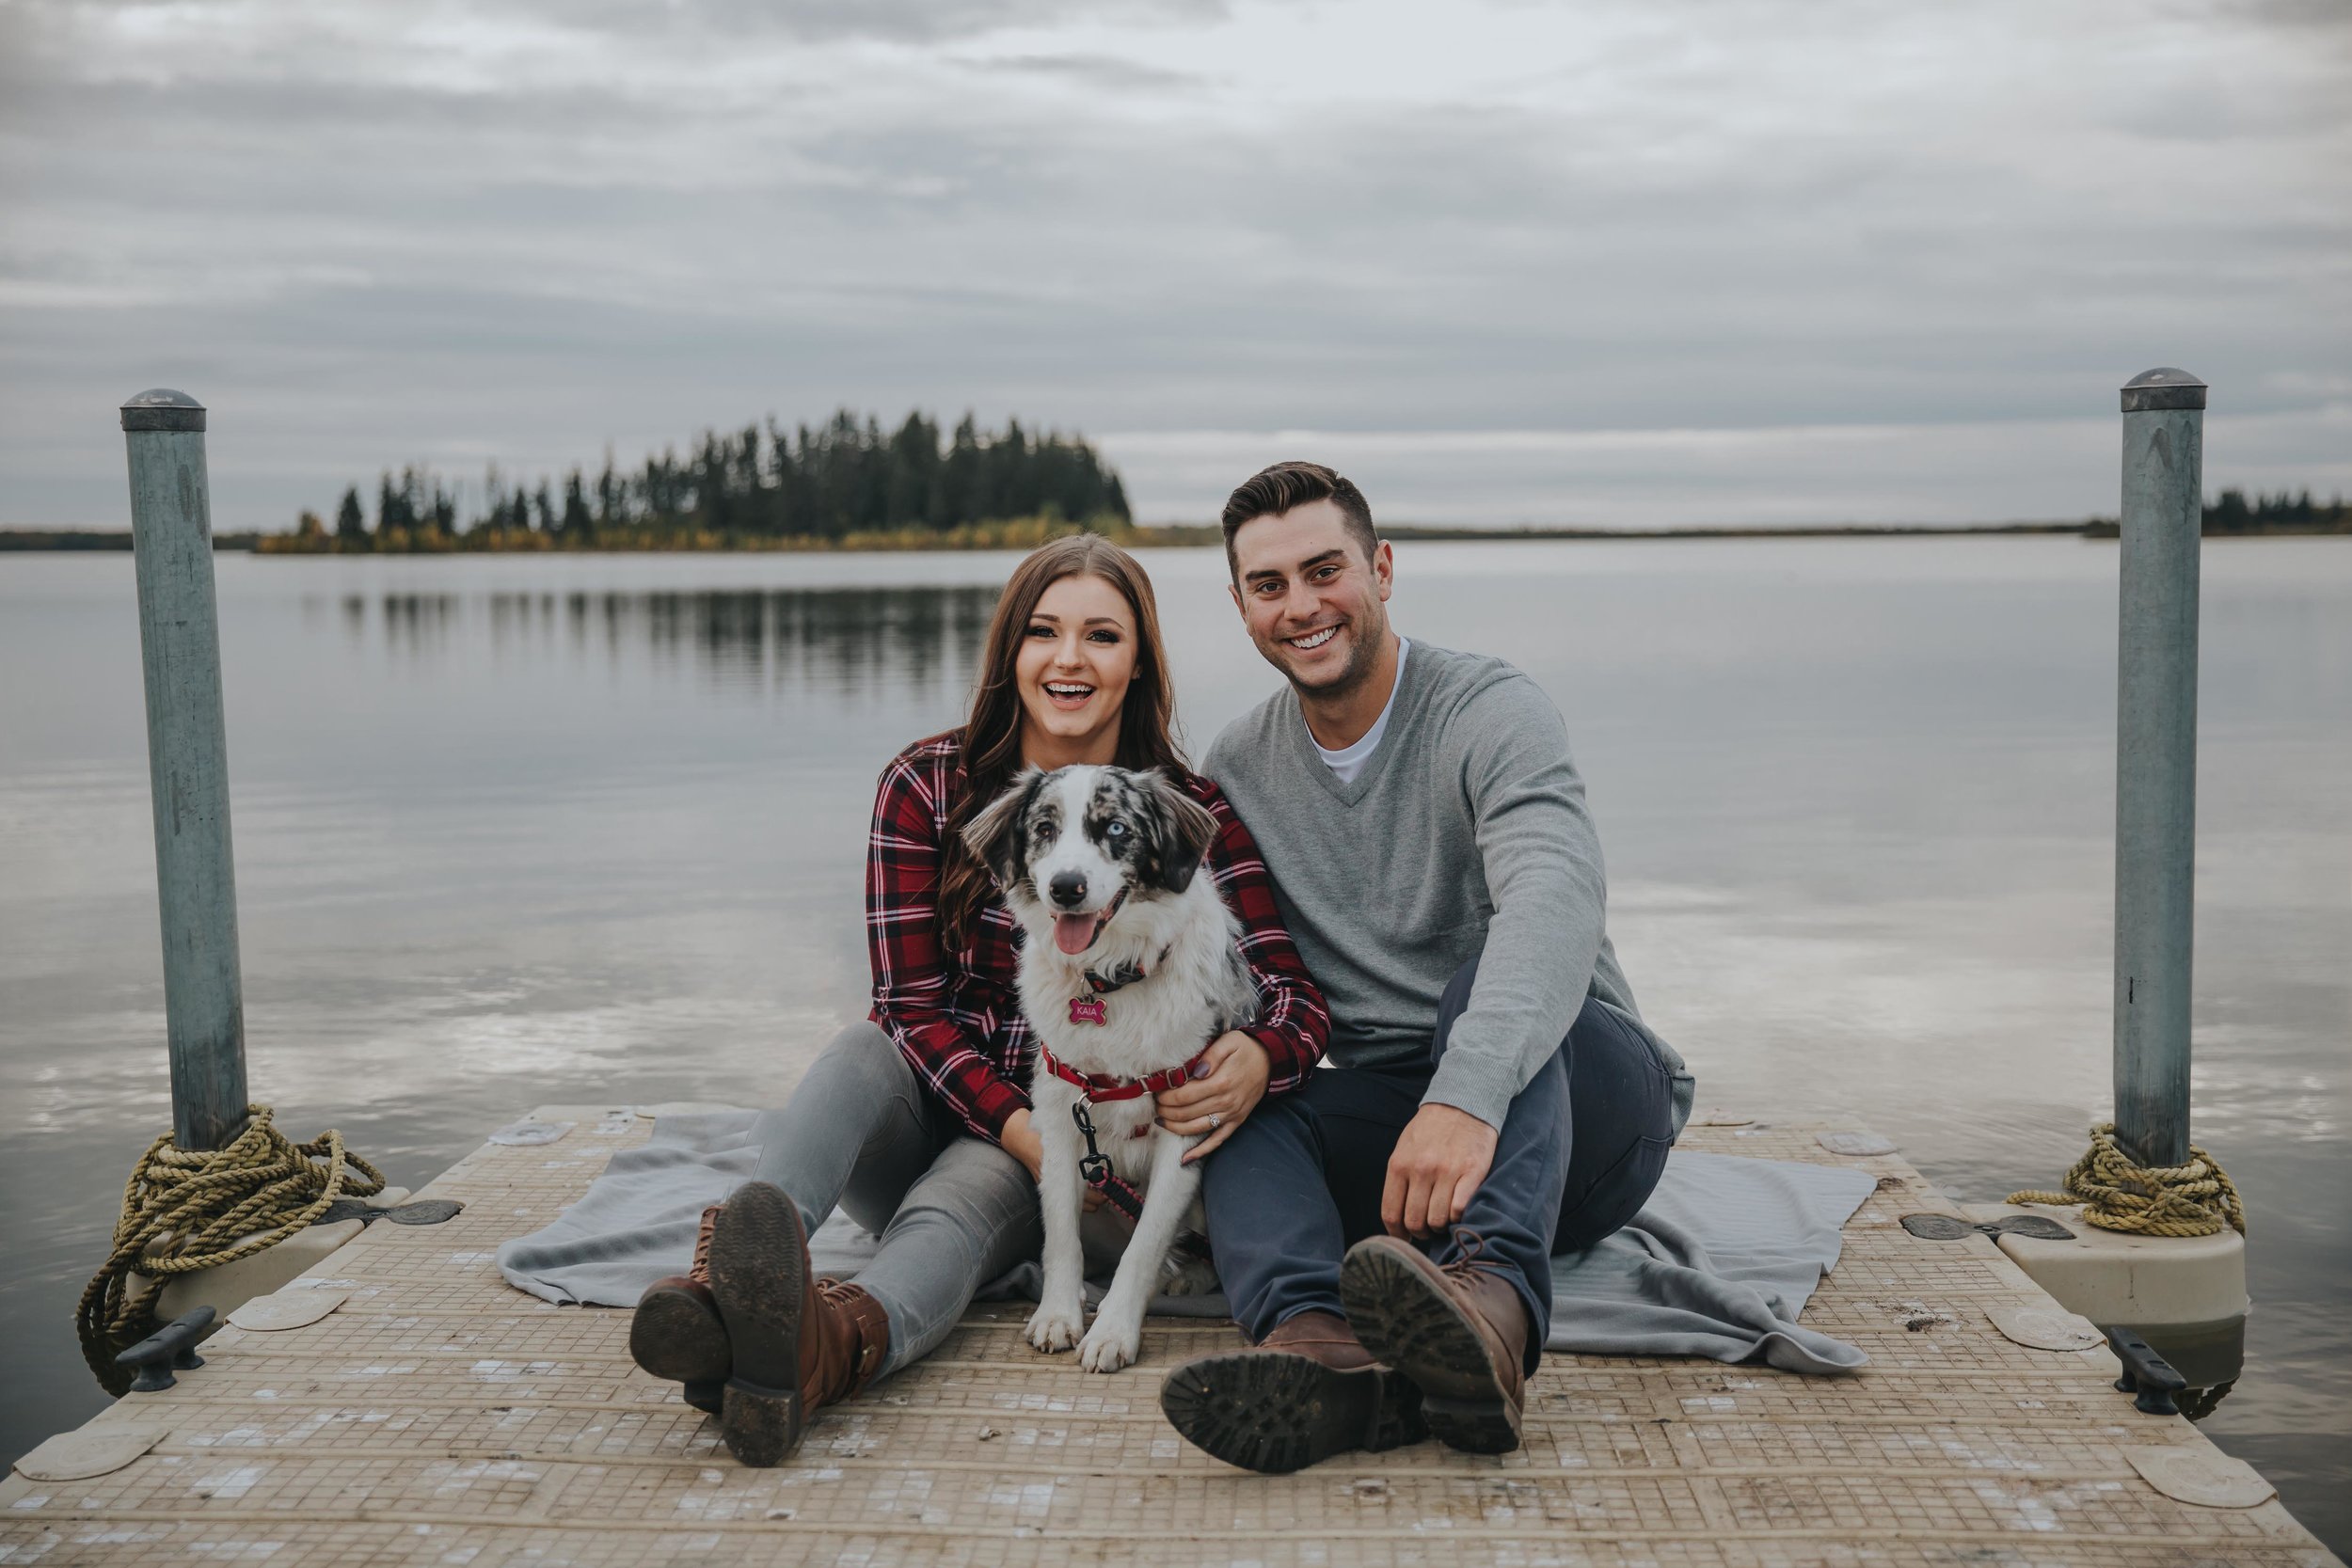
{"points": [[1405, 826]]}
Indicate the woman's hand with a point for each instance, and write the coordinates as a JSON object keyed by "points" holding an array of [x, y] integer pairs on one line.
{"points": [[1219, 1102], [1021, 1141]]}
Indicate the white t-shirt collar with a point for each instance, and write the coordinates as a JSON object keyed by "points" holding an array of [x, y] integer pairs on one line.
{"points": [[1347, 762]]}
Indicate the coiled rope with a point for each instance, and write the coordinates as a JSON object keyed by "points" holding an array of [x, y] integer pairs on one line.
{"points": [[2192, 1199], [184, 1211]]}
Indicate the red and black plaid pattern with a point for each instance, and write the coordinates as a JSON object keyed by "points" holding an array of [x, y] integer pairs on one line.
{"points": [[956, 1014]]}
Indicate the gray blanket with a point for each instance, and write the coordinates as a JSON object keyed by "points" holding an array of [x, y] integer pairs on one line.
{"points": [[1718, 1264]]}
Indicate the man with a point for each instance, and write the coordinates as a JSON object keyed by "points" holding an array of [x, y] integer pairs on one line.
{"points": [[1384, 1233]]}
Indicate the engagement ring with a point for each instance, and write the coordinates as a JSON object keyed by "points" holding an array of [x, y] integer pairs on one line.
{"points": [[1216, 1121]]}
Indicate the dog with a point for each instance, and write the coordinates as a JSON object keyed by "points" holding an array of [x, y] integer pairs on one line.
{"points": [[1130, 966]]}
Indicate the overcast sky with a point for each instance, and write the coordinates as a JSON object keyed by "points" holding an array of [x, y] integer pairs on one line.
{"points": [[1617, 263]]}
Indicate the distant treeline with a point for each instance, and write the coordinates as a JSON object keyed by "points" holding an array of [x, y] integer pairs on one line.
{"points": [[845, 483], [2283, 513], [107, 539], [2279, 513]]}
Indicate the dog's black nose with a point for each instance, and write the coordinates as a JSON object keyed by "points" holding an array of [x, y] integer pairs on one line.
{"points": [[1068, 888]]}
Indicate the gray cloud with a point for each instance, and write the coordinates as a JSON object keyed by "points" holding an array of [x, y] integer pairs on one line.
{"points": [[373, 235], [1093, 70]]}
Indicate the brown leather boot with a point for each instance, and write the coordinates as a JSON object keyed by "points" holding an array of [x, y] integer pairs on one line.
{"points": [[799, 1342], [676, 1332], [1458, 1331], [1308, 1390]]}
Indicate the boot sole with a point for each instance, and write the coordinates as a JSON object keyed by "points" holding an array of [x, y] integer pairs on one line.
{"points": [[757, 1254], [1412, 1324], [1276, 1414], [675, 1335]]}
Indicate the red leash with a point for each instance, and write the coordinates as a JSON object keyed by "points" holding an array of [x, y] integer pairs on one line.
{"points": [[1091, 1087], [1096, 1169]]}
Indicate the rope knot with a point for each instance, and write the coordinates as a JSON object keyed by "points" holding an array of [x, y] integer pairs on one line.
{"points": [[2195, 1199], [185, 1209]]}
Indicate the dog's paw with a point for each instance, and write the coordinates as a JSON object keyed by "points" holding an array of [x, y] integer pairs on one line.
{"points": [[1052, 1328], [1107, 1346]]}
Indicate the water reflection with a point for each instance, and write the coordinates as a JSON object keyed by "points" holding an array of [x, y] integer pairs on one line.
{"points": [[837, 639], [2198, 1403]]}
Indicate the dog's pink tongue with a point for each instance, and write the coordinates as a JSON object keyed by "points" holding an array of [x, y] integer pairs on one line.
{"points": [[1074, 933]]}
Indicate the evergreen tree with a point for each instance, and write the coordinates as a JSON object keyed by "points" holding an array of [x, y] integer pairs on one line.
{"points": [[609, 497], [777, 480], [913, 469], [962, 477], [576, 524], [444, 512], [351, 523], [2229, 514]]}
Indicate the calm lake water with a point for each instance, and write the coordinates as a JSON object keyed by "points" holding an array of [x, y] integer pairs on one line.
{"points": [[513, 831]]}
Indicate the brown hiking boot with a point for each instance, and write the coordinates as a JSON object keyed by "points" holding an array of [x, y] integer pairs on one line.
{"points": [[676, 1332], [799, 1343], [1308, 1390], [1459, 1332]]}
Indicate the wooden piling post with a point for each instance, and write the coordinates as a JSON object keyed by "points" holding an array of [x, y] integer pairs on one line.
{"points": [[187, 759]]}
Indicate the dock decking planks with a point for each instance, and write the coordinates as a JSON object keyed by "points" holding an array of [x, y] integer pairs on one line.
{"points": [[441, 1417]]}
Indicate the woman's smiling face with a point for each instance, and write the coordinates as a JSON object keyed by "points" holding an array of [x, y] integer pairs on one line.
{"points": [[1078, 658]]}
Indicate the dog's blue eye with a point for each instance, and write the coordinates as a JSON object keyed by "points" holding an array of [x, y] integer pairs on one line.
{"points": [[1115, 830]]}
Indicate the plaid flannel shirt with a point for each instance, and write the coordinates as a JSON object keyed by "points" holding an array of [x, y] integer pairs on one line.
{"points": [[956, 1014]]}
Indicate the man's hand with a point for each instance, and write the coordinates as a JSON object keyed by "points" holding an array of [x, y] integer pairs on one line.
{"points": [[1439, 1161], [1238, 1068]]}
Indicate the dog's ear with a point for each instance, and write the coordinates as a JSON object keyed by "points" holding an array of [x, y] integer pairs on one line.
{"points": [[994, 835], [1186, 830]]}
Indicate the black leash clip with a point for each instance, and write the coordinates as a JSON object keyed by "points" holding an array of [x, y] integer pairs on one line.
{"points": [[1095, 1168]]}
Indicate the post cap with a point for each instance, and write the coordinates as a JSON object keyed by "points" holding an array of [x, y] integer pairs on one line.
{"points": [[161, 408], [2163, 387]]}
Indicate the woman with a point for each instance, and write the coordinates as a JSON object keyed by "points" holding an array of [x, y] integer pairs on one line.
{"points": [[917, 1120]]}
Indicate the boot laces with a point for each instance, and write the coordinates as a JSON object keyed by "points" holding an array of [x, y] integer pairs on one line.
{"points": [[700, 1267], [1472, 1259], [844, 1297]]}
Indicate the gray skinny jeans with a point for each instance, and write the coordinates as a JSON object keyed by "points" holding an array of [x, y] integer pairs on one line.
{"points": [[953, 1210]]}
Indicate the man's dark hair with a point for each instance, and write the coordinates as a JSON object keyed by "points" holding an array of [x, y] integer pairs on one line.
{"points": [[1271, 492]]}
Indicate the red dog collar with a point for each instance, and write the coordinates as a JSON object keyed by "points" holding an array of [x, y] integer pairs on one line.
{"points": [[1102, 1085]]}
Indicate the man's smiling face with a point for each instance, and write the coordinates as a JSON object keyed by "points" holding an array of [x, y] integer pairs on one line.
{"points": [[1311, 600]]}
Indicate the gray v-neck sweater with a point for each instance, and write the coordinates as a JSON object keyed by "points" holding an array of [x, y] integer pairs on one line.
{"points": [[1465, 833]]}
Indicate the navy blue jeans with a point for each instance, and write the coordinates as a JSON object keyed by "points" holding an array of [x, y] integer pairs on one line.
{"points": [[1577, 1156]]}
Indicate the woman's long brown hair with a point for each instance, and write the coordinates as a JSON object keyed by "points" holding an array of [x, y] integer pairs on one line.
{"points": [[990, 738]]}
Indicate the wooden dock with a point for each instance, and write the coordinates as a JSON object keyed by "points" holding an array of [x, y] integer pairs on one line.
{"points": [[439, 1417]]}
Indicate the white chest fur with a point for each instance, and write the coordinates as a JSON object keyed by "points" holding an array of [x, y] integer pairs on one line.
{"points": [[1193, 985]]}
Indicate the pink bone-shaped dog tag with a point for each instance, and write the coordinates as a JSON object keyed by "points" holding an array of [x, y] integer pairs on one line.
{"points": [[1088, 1009]]}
